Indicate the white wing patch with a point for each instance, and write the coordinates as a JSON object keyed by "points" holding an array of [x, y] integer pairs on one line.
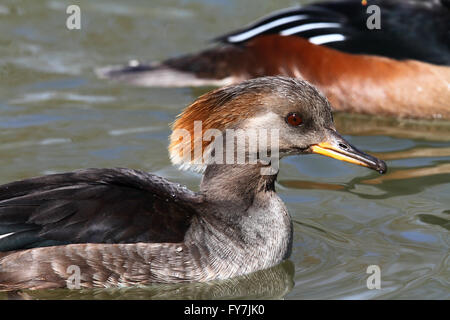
{"points": [[6, 235], [260, 29], [327, 38], [309, 26], [295, 24]]}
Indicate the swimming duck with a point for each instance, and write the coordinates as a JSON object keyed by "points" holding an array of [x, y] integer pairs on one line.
{"points": [[345, 26], [362, 76], [124, 227]]}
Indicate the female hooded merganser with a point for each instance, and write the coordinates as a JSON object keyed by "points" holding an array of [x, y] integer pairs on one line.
{"points": [[364, 77], [124, 227]]}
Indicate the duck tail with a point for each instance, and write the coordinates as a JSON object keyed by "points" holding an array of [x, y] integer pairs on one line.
{"points": [[214, 67]]}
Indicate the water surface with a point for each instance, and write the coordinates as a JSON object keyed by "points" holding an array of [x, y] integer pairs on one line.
{"points": [[56, 116]]}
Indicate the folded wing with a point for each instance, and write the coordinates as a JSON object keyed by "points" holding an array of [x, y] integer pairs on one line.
{"points": [[93, 206]]}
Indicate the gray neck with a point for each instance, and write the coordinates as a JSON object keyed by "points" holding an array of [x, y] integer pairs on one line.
{"points": [[243, 225], [237, 183]]}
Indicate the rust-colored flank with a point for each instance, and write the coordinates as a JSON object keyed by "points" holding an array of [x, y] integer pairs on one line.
{"points": [[358, 83], [400, 70]]}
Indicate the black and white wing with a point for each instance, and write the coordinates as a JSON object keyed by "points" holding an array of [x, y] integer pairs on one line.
{"points": [[407, 29], [317, 24], [95, 206]]}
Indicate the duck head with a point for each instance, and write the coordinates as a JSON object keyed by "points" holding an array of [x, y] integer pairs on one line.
{"points": [[294, 117]]}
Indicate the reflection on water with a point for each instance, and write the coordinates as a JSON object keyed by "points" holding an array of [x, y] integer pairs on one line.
{"points": [[55, 116], [393, 181], [441, 171], [273, 283], [429, 218], [358, 124]]}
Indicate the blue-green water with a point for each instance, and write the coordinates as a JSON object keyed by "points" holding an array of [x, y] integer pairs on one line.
{"points": [[56, 116]]}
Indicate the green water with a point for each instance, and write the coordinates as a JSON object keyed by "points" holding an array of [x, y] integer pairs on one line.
{"points": [[56, 116]]}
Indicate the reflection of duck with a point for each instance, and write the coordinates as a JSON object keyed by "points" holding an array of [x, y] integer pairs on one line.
{"points": [[272, 283], [363, 82], [365, 125], [123, 227], [390, 184]]}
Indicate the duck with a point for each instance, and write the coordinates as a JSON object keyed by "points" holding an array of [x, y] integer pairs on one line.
{"points": [[121, 227], [345, 25], [401, 70]]}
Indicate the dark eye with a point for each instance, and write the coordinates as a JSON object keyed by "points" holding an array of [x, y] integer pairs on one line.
{"points": [[294, 119]]}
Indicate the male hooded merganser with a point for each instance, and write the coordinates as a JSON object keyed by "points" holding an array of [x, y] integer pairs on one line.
{"points": [[124, 227], [342, 25], [362, 76]]}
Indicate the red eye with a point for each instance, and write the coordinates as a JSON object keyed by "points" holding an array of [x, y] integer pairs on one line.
{"points": [[294, 119]]}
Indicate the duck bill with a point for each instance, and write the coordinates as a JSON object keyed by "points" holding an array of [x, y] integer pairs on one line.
{"points": [[338, 148]]}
